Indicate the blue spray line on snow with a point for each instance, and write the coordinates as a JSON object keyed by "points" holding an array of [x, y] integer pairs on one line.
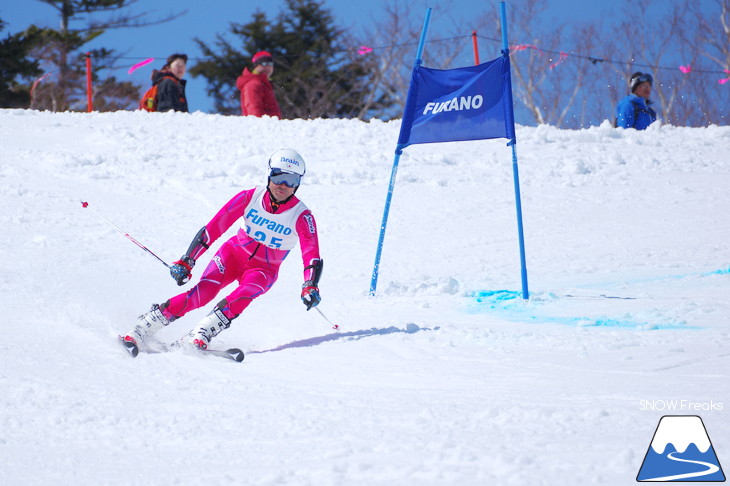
{"points": [[508, 305], [721, 271]]}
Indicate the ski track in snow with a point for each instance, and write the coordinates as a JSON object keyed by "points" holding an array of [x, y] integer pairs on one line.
{"points": [[446, 377]]}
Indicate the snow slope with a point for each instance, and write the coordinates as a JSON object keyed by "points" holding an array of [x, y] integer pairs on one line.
{"points": [[447, 377]]}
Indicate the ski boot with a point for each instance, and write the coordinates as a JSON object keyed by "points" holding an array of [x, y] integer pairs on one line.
{"points": [[208, 328], [147, 324]]}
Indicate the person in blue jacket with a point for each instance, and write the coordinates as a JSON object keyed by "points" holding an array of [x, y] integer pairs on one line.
{"points": [[635, 110]]}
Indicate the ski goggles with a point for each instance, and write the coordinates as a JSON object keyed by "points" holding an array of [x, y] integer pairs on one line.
{"points": [[280, 177], [641, 78]]}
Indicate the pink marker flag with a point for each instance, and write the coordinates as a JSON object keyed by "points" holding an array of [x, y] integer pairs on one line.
{"points": [[364, 50], [140, 64], [35, 83], [522, 47], [685, 69], [726, 80]]}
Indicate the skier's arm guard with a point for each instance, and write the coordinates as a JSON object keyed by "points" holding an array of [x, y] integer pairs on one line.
{"points": [[313, 272], [198, 245]]}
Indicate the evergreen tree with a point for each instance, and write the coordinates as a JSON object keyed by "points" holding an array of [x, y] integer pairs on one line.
{"points": [[315, 75], [16, 66], [61, 49]]}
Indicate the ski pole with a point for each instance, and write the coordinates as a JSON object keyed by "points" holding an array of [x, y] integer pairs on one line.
{"points": [[334, 326], [86, 205]]}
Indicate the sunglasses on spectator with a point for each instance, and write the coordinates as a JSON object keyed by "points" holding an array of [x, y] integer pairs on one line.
{"points": [[267, 63]]}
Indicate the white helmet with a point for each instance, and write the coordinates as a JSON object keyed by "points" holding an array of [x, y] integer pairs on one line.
{"points": [[287, 160]]}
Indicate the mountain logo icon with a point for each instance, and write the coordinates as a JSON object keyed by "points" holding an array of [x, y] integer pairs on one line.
{"points": [[680, 451]]}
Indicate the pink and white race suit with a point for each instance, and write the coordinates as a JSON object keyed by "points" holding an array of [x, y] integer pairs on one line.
{"points": [[253, 256]]}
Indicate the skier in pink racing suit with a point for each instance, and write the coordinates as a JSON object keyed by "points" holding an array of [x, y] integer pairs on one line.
{"points": [[272, 220]]}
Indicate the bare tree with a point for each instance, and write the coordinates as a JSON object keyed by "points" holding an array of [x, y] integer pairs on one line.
{"points": [[658, 44], [548, 83], [713, 31], [706, 33], [387, 61], [397, 30], [587, 107]]}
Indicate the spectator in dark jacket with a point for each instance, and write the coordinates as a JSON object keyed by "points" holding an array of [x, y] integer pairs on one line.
{"points": [[257, 93], [635, 111], [171, 89]]}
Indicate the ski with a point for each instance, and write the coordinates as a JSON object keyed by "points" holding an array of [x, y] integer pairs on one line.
{"points": [[234, 353], [131, 348]]}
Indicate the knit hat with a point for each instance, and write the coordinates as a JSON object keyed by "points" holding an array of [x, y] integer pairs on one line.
{"points": [[638, 78], [260, 57]]}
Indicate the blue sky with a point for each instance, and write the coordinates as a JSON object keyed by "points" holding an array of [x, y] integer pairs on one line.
{"points": [[208, 18]]}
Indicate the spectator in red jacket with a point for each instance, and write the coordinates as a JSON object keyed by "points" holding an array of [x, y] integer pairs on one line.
{"points": [[257, 94]]}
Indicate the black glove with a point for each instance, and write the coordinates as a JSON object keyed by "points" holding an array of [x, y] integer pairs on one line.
{"points": [[181, 270], [310, 294]]}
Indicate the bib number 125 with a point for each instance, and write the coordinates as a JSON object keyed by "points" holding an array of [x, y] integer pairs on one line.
{"points": [[261, 237]]}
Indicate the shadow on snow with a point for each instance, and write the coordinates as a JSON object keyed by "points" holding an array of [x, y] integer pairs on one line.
{"points": [[410, 328]]}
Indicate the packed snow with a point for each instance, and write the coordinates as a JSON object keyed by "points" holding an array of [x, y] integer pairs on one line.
{"points": [[445, 377]]}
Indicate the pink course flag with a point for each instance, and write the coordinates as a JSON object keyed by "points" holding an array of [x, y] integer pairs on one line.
{"points": [[726, 80], [364, 50], [140, 64], [522, 47], [35, 83], [685, 69]]}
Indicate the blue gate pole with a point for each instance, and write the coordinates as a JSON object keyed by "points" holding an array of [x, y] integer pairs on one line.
{"points": [[398, 152], [515, 169]]}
